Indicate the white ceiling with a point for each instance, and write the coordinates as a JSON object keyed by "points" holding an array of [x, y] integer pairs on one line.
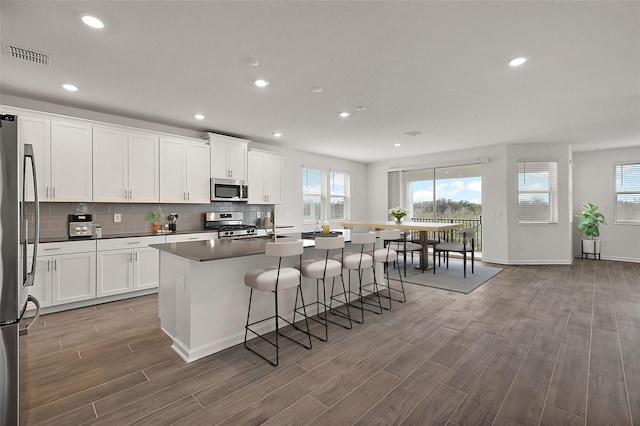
{"points": [[438, 67]]}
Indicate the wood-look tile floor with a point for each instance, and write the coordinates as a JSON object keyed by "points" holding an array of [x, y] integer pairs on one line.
{"points": [[549, 345]]}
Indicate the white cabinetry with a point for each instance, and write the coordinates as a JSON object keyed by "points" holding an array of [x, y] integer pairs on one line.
{"points": [[184, 171], [65, 272], [127, 264], [228, 157], [37, 132], [265, 177], [71, 161], [125, 166]]}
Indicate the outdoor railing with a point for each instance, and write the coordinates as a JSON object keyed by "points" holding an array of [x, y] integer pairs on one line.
{"points": [[476, 224]]}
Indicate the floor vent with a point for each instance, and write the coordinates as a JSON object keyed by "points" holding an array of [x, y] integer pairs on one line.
{"points": [[27, 55], [413, 133]]}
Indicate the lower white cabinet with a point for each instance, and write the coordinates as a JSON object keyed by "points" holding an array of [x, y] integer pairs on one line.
{"points": [[74, 277], [65, 272], [127, 264]]}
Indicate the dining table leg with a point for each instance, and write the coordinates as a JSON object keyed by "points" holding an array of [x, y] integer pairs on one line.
{"points": [[424, 255]]}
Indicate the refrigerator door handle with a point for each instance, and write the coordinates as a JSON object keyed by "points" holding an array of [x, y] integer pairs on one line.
{"points": [[25, 329], [28, 153]]}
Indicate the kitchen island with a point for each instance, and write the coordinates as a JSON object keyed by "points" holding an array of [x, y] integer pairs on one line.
{"points": [[202, 299]]}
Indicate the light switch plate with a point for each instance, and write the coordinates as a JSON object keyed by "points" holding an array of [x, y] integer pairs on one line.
{"points": [[117, 217]]}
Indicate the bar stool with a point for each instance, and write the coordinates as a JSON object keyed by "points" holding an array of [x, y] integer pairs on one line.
{"points": [[386, 255], [274, 279], [321, 269], [359, 262]]}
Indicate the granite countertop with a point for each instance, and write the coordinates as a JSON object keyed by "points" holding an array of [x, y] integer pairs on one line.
{"points": [[121, 235], [204, 251]]}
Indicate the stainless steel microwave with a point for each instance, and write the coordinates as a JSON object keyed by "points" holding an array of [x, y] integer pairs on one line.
{"points": [[229, 190]]}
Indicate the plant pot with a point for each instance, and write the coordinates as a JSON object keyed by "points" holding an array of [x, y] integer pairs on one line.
{"points": [[155, 227], [398, 220], [591, 247]]}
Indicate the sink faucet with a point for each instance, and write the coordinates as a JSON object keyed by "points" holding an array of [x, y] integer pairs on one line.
{"points": [[273, 221]]}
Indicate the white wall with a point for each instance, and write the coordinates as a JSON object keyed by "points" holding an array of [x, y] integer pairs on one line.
{"points": [[593, 175], [504, 239], [494, 186], [544, 243], [291, 211]]}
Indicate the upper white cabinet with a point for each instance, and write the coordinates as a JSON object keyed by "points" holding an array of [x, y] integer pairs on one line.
{"points": [[265, 177], [71, 161], [184, 171], [62, 151], [228, 157], [125, 166], [37, 132]]}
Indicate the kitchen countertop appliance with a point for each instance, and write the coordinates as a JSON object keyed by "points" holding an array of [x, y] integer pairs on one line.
{"points": [[80, 226], [229, 190], [17, 172], [229, 225]]}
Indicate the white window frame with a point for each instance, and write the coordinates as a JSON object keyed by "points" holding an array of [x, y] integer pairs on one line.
{"points": [[551, 191], [617, 193], [326, 194]]}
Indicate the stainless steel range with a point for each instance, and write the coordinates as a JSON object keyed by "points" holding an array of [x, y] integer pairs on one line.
{"points": [[229, 225]]}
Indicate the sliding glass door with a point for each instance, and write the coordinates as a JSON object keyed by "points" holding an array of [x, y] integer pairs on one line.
{"points": [[445, 194]]}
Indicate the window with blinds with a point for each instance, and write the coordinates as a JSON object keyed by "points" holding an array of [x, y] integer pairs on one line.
{"points": [[538, 192], [325, 194], [312, 194], [627, 193]]}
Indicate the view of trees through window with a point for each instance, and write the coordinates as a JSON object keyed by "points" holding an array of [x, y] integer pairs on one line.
{"points": [[457, 193]]}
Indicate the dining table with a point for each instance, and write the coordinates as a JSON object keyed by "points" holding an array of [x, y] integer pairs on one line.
{"points": [[423, 227]]}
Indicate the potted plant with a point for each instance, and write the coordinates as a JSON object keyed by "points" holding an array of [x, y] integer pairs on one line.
{"points": [[154, 218], [590, 227], [398, 213]]}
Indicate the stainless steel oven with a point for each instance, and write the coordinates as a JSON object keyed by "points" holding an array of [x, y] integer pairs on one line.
{"points": [[229, 190]]}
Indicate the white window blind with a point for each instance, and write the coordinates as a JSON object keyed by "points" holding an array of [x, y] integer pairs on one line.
{"points": [[538, 192], [627, 193], [325, 194], [312, 194]]}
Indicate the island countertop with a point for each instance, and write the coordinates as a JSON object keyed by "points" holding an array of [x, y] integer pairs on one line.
{"points": [[208, 250]]}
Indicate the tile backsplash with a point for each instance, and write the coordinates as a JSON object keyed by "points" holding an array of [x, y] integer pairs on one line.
{"points": [[53, 216]]}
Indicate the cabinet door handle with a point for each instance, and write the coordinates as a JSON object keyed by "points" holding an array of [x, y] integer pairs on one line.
{"points": [[130, 194], [135, 256], [48, 265], [126, 195], [55, 264], [188, 195], [193, 238], [54, 192], [50, 249], [47, 192], [131, 258], [134, 242]]}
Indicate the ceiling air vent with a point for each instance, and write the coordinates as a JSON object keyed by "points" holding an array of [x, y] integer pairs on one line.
{"points": [[27, 55], [412, 133]]}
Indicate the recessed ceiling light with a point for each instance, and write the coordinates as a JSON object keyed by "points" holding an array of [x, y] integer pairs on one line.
{"points": [[277, 134], [316, 89], [92, 21], [361, 108], [199, 116], [516, 62], [344, 114], [397, 144], [261, 83], [252, 62], [70, 87]]}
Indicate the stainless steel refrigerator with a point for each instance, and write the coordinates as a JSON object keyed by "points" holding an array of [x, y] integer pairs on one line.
{"points": [[15, 161]]}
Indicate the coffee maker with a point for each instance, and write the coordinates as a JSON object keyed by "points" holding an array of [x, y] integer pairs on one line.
{"points": [[173, 217]]}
